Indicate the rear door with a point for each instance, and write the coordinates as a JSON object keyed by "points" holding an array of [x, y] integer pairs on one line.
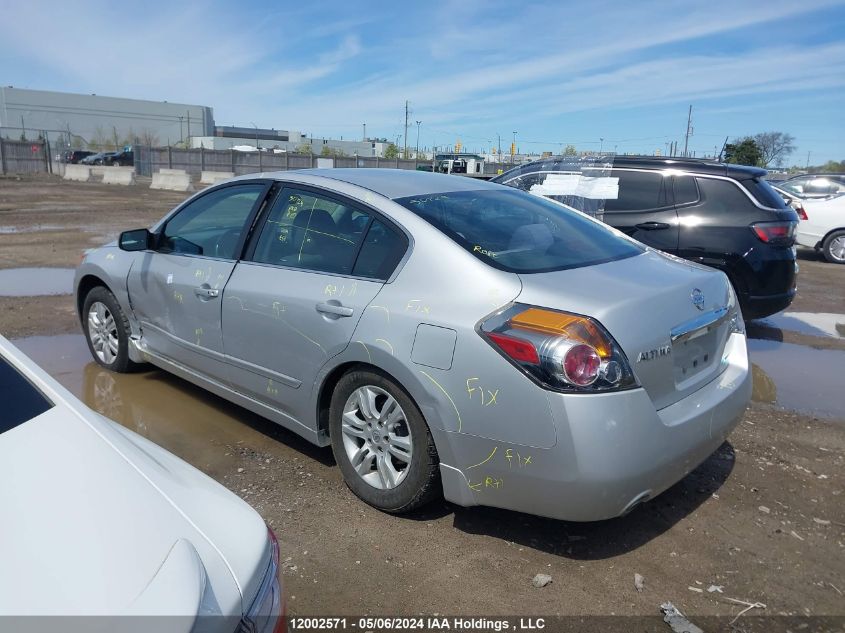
{"points": [[294, 301], [644, 208], [176, 290]]}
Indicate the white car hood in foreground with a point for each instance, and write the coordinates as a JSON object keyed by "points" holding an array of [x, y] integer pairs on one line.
{"points": [[97, 520]]}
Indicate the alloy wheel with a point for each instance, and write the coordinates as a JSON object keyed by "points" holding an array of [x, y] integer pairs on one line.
{"points": [[837, 248], [102, 332], [377, 437]]}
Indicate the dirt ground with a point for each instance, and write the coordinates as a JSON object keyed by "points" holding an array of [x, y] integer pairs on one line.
{"points": [[762, 520]]}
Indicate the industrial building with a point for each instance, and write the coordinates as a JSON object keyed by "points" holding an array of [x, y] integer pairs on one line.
{"points": [[79, 120], [228, 137], [66, 118]]}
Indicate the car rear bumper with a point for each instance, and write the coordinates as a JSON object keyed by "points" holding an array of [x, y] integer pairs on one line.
{"points": [[613, 451]]}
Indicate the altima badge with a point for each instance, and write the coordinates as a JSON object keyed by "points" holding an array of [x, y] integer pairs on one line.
{"points": [[657, 352], [697, 298]]}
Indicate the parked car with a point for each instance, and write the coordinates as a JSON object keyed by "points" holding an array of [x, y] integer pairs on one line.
{"points": [[99, 521], [823, 228], [74, 156], [792, 200], [724, 216], [122, 159], [94, 159], [444, 335], [815, 185]]}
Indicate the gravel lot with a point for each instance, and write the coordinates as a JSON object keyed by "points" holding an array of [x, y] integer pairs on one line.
{"points": [[763, 519]]}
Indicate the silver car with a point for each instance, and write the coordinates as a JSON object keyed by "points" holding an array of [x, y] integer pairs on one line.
{"points": [[444, 335]]}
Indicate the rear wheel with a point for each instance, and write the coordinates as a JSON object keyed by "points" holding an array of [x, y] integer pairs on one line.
{"points": [[382, 444], [107, 330], [833, 248]]}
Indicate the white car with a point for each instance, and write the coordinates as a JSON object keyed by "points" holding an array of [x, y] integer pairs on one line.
{"points": [[823, 228], [98, 521]]}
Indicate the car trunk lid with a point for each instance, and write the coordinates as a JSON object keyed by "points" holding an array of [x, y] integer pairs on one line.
{"points": [[669, 316]]}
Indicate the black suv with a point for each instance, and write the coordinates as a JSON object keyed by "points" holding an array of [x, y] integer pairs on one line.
{"points": [[73, 156], [725, 216], [122, 159]]}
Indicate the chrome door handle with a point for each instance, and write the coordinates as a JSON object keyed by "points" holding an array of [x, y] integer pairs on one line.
{"points": [[334, 309], [206, 293]]}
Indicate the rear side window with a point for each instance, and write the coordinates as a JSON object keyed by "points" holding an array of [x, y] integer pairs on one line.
{"points": [[685, 190], [381, 251], [311, 231], [722, 196], [638, 191], [520, 232], [763, 192], [21, 400]]}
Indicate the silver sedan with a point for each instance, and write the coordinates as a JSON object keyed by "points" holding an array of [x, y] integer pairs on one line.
{"points": [[444, 335]]}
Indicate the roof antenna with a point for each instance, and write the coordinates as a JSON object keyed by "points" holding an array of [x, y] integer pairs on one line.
{"points": [[722, 150]]}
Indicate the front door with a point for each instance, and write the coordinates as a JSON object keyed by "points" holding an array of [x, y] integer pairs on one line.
{"points": [[176, 290], [295, 300]]}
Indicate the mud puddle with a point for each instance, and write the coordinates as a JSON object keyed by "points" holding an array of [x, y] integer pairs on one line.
{"points": [[33, 282], [799, 378], [197, 426], [36, 228], [823, 324]]}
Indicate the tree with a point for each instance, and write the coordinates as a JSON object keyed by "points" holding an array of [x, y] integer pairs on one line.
{"points": [[391, 151], [303, 148], [149, 138], [743, 152], [331, 151], [774, 147], [570, 150]]}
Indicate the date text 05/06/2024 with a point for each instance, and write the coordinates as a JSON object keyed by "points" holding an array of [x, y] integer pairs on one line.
{"points": [[433, 623]]}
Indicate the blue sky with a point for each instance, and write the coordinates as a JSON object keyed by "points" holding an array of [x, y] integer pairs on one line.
{"points": [[554, 72]]}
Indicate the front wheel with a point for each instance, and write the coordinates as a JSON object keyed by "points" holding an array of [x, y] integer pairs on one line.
{"points": [[382, 444], [833, 248], [107, 331]]}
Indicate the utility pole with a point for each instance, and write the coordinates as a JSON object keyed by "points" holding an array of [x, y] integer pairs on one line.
{"points": [[417, 152], [256, 134], [499, 155], [364, 138], [181, 135], [23, 128], [601, 145], [188, 112], [689, 131], [513, 149], [808, 161], [406, 128]]}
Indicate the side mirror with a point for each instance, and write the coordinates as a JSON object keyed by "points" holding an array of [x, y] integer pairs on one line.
{"points": [[135, 240]]}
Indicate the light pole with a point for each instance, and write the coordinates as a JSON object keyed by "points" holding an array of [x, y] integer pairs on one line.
{"points": [[513, 148], [181, 135], [601, 145], [417, 152], [256, 133]]}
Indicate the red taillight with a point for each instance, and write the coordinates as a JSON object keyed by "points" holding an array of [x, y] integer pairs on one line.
{"points": [[516, 348], [581, 365], [773, 231], [801, 213]]}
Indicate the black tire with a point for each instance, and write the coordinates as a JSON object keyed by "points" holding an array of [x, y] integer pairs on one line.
{"points": [[836, 257], [121, 361], [421, 483]]}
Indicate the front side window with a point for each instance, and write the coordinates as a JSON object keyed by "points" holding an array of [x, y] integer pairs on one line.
{"points": [[311, 231], [520, 232], [212, 224], [21, 400]]}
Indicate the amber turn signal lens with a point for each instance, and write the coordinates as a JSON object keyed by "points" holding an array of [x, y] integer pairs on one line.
{"points": [[571, 326]]}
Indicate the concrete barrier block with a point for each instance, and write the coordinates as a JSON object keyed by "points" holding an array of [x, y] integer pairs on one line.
{"points": [[80, 173], [172, 182], [166, 170], [119, 176], [212, 177]]}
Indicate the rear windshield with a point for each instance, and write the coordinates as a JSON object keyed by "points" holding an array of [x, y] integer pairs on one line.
{"points": [[520, 232], [21, 400], [764, 193]]}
